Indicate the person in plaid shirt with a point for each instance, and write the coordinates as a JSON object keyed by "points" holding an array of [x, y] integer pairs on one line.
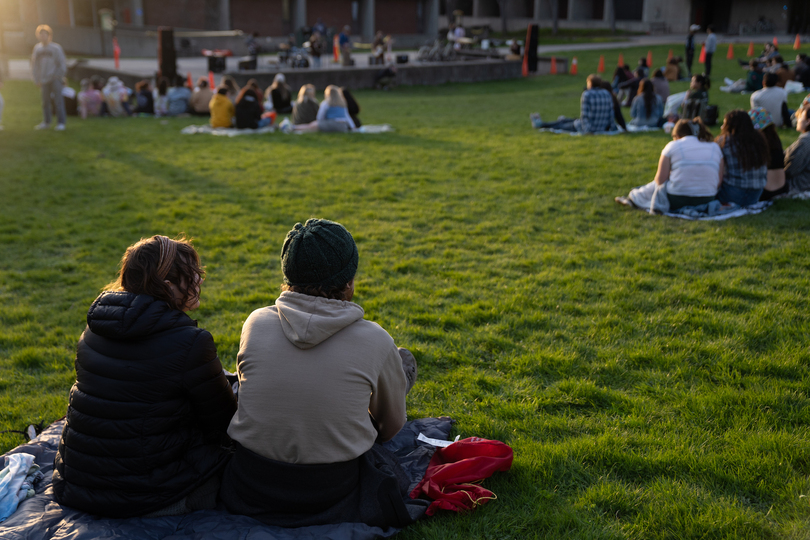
{"points": [[745, 156], [797, 156], [596, 112]]}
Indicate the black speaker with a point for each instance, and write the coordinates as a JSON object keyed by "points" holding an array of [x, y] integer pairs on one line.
{"points": [[530, 51], [167, 56]]}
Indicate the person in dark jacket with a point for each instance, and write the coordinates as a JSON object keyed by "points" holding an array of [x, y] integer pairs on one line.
{"points": [[144, 100], [148, 414], [351, 106], [249, 108]]}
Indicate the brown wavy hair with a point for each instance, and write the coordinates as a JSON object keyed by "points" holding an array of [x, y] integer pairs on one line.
{"points": [[747, 144], [684, 128], [139, 271]]}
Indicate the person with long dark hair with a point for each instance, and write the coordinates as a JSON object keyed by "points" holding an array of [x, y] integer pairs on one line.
{"points": [[148, 414], [797, 156], [763, 122], [745, 156], [617, 106], [647, 106], [249, 107]]}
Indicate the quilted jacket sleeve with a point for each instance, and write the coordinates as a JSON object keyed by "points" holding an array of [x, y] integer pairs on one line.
{"points": [[212, 399]]}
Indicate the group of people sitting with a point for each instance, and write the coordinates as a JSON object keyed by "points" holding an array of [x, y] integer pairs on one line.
{"points": [[772, 62], [743, 165], [252, 109], [156, 427]]}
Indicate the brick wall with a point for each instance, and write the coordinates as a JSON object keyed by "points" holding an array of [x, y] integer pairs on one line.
{"points": [[262, 16], [396, 16], [177, 13], [334, 13]]}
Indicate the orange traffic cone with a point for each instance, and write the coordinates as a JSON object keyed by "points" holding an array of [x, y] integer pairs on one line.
{"points": [[669, 56], [750, 49], [702, 58], [190, 81], [574, 69], [553, 65], [211, 84], [601, 68], [336, 48], [797, 43], [775, 41], [730, 54], [649, 59], [621, 60]]}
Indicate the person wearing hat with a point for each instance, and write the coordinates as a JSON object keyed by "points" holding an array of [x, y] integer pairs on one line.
{"points": [[318, 386], [690, 48]]}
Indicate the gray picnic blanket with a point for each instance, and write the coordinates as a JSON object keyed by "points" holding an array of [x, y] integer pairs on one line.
{"points": [[206, 129], [42, 518]]}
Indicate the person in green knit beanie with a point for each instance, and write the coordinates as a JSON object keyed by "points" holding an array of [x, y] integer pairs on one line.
{"points": [[318, 386]]}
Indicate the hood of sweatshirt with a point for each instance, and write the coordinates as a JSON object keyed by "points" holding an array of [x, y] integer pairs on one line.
{"points": [[309, 320]]}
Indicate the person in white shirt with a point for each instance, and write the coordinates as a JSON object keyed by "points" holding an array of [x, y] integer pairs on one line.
{"points": [[771, 98]]}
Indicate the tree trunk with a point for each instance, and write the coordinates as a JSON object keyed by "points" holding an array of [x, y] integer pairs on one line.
{"points": [[555, 16]]}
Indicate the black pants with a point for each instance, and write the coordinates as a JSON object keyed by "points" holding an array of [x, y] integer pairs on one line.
{"points": [[689, 57], [709, 63]]}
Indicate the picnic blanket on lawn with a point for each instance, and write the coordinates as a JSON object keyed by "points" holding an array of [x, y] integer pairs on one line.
{"points": [[630, 129], [42, 518], [233, 132], [641, 198]]}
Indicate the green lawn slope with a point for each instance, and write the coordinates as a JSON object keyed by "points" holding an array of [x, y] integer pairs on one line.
{"points": [[651, 374]]}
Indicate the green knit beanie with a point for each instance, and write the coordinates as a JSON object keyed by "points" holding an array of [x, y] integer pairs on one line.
{"points": [[321, 253]]}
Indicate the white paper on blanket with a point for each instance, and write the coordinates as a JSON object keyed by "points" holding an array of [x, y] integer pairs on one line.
{"points": [[642, 197], [641, 129], [226, 132], [436, 442], [794, 87], [674, 102], [11, 478]]}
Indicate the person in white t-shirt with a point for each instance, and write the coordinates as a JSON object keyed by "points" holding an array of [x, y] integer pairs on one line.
{"points": [[771, 98], [691, 165]]}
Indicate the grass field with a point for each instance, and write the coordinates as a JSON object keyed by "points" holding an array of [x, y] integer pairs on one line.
{"points": [[651, 374]]}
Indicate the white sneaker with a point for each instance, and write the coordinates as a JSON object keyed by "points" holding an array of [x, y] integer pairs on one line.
{"points": [[536, 120], [286, 126], [59, 127], [41, 126]]}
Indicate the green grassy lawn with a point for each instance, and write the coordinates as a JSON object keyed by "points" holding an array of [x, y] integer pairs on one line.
{"points": [[651, 374]]}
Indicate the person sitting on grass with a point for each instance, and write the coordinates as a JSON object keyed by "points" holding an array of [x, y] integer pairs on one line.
{"points": [[279, 95], [90, 100], [618, 117], [630, 87], [773, 99], [802, 69], [116, 98], [351, 105], [222, 110], [753, 81], [647, 106], [797, 156], [201, 98], [319, 386], [697, 98], [233, 88], [596, 111], [776, 158], [661, 85], [745, 158], [144, 99], [249, 108], [333, 115], [690, 168], [178, 98], [673, 71], [305, 108], [148, 414], [161, 98]]}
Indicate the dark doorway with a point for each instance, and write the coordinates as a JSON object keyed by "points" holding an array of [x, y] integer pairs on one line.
{"points": [[629, 10], [714, 12], [799, 16]]}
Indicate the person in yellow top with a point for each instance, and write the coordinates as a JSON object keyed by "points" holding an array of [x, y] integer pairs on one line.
{"points": [[222, 109]]}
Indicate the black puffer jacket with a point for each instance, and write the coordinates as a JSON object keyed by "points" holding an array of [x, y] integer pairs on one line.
{"points": [[148, 412]]}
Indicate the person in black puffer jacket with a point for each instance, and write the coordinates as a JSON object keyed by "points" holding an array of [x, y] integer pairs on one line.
{"points": [[148, 414]]}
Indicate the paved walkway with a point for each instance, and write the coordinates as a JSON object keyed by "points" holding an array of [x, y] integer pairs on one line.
{"points": [[198, 67]]}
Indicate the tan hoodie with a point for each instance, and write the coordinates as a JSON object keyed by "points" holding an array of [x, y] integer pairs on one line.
{"points": [[310, 372]]}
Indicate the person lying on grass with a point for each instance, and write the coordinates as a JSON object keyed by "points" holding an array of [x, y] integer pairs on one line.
{"points": [[147, 416], [797, 156], [596, 111], [318, 386], [745, 160], [333, 115], [690, 168]]}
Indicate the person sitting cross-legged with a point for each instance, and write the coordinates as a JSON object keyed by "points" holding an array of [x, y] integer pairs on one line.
{"points": [[596, 111], [319, 385]]}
